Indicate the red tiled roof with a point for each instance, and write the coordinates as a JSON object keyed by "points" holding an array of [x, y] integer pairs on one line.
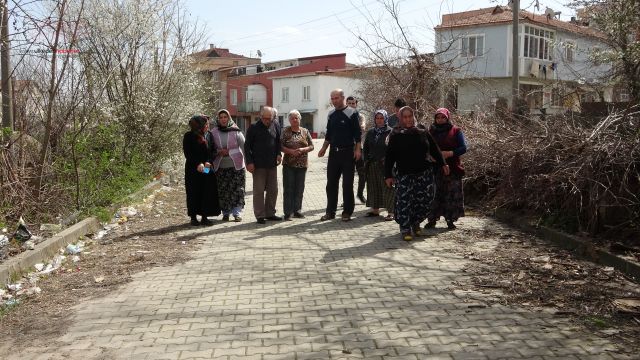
{"points": [[217, 53], [503, 14]]}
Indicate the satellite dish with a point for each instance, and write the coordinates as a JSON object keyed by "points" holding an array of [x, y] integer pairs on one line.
{"points": [[551, 14], [259, 53]]}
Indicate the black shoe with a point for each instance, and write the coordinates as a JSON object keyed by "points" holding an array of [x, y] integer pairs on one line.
{"points": [[274, 218], [261, 221], [237, 218], [362, 199], [430, 225], [206, 222], [225, 217], [287, 217], [326, 217], [298, 215], [195, 221], [451, 225]]}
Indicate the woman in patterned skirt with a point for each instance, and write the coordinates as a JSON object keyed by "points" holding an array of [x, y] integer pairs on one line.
{"points": [[408, 150], [229, 166], [296, 144], [449, 200], [373, 153]]}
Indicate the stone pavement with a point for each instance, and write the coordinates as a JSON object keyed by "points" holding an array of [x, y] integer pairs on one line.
{"points": [[312, 290]]}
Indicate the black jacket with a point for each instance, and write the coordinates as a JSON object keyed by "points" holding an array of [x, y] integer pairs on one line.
{"points": [[262, 145]]}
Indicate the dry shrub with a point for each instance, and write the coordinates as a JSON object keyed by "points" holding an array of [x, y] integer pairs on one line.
{"points": [[581, 174]]}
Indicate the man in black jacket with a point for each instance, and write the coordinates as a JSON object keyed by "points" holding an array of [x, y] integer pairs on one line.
{"points": [[344, 136], [262, 155]]}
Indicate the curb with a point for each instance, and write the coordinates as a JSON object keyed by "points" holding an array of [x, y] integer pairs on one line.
{"points": [[47, 249], [573, 243]]}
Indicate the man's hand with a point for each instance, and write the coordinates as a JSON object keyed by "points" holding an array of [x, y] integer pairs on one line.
{"points": [[445, 170], [251, 168], [200, 167], [322, 152], [357, 154], [389, 182], [447, 154], [207, 165]]}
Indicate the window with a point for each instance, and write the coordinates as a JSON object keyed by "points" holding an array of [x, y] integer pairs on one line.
{"points": [[306, 93], [537, 43], [556, 97], [569, 49], [472, 46], [285, 95], [234, 97]]}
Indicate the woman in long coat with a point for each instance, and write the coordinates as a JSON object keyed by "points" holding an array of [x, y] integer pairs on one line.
{"points": [[449, 200], [373, 153], [408, 150], [199, 181]]}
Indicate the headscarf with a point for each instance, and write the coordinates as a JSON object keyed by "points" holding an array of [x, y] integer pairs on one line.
{"points": [[197, 123], [413, 113], [442, 127], [231, 125], [380, 130], [274, 122]]}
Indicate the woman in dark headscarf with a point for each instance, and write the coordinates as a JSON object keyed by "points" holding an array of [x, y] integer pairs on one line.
{"points": [[449, 200], [373, 153], [199, 182], [228, 163], [408, 149]]}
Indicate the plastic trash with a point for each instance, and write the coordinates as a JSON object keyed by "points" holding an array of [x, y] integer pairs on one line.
{"points": [[14, 287], [22, 234], [72, 249], [37, 239], [75, 258], [12, 302], [29, 245], [4, 241], [99, 279], [39, 266], [128, 211]]}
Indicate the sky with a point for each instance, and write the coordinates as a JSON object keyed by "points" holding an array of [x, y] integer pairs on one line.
{"points": [[286, 29]]}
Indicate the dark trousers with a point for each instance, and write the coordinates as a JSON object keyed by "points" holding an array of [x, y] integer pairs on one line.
{"points": [[362, 177], [265, 181], [341, 163], [293, 186]]}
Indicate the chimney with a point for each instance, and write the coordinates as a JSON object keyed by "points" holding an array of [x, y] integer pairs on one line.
{"points": [[212, 46]]}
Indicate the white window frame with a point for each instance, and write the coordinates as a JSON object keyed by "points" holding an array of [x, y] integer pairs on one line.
{"points": [[285, 95], [233, 97], [306, 93], [539, 39], [477, 52], [569, 51]]}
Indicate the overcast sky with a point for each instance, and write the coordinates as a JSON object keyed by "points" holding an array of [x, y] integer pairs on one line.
{"points": [[284, 29]]}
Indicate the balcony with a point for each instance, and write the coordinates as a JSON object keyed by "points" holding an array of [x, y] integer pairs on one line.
{"points": [[250, 106]]}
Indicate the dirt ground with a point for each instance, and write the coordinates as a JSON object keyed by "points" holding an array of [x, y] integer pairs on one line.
{"points": [[143, 241]]}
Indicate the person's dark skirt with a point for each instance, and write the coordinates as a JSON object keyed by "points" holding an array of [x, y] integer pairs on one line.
{"points": [[231, 188], [202, 193], [449, 199], [379, 195], [414, 197]]}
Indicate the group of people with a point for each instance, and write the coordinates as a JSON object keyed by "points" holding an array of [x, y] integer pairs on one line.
{"points": [[413, 172]]}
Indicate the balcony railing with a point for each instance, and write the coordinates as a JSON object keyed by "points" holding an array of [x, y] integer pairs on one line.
{"points": [[250, 106]]}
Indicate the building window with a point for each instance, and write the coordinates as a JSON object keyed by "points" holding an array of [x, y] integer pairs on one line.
{"points": [[472, 46], [285, 95], [306, 93], [233, 94], [556, 97], [537, 43], [569, 49]]}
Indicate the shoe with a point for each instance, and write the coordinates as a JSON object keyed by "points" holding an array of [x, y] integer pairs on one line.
{"points": [[389, 217], [406, 236], [261, 221], [195, 222], [206, 222], [430, 225], [237, 218], [298, 215], [372, 214], [417, 231], [362, 199], [451, 225], [346, 217], [326, 217], [274, 218], [225, 217], [287, 217]]}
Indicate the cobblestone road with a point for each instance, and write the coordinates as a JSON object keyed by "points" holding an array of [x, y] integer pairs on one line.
{"points": [[315, 290]]}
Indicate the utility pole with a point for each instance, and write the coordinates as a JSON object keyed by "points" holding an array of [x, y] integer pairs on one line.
{"points": [[515, 57], [5, 73]]}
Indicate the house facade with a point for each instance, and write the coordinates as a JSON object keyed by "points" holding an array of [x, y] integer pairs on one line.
{"points": [[555, 69], [309, 93], [251, 88]]}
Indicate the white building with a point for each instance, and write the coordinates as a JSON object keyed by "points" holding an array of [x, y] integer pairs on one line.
{"points": [[556, 73], [310, 94]]}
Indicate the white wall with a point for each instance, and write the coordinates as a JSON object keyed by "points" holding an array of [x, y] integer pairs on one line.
{"points": [[320, 100]]}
